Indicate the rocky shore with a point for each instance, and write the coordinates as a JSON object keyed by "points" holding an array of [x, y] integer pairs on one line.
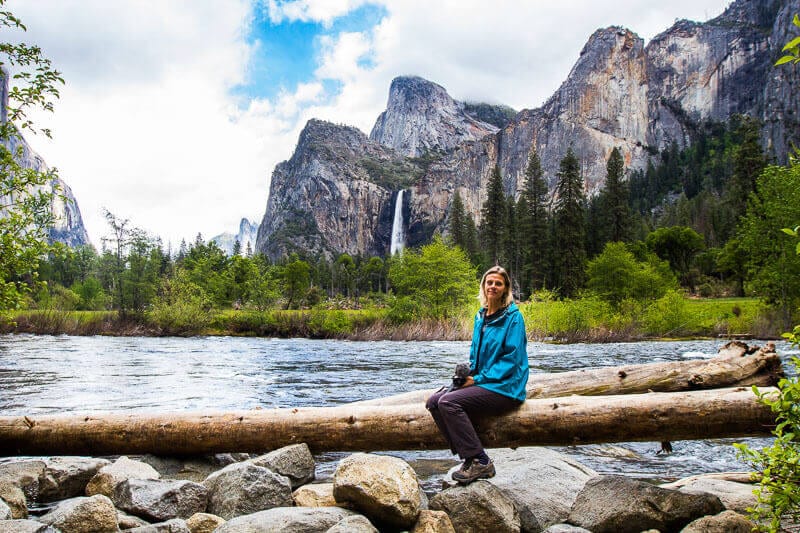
{"points": [[535, 489]]}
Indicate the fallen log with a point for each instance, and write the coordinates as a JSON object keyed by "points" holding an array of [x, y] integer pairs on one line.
{"points": [[736, 364], [561, 421]]}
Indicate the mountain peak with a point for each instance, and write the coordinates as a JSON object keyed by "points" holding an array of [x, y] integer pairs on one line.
{"points": [[421, 117]]}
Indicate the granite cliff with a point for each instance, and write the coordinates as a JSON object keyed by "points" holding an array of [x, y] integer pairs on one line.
{"points": [[68, 225], [336, 194]]}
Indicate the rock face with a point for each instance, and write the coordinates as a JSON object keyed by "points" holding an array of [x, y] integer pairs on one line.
{"points": [[336, 194], [68, 225], [248, 230], [421, 117]]}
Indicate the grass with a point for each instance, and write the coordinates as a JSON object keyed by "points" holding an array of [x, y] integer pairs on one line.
{"points": [[581, 320]]}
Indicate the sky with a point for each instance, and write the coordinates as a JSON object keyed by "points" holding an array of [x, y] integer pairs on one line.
{"points": [[175, 112]]}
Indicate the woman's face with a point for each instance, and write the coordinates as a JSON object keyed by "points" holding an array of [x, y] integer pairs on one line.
{"points": [[494, 286]]}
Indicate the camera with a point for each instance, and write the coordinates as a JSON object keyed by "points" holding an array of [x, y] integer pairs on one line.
{"points": [[459, 376]]}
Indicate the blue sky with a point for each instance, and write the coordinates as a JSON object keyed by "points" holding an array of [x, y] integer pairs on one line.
{"points": [[287, 52], [175, 112]]}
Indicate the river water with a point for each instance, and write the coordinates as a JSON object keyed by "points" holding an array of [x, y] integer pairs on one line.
{"points": [[63, 374]]}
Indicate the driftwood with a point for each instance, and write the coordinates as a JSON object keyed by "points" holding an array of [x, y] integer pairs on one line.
{"points": [[736, 364], [733, 412]]}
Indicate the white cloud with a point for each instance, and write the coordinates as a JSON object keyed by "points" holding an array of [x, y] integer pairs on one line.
{"points": [[324, 12]]}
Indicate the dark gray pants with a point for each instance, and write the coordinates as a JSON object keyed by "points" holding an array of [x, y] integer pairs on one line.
{"points": [[452, 412]]}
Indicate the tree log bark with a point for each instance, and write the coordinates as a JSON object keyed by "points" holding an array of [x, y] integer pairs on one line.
{"points": [[562, 421], [736, 364]]}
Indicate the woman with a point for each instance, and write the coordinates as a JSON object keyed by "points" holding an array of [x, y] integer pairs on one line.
{"points": [[498, 375]]}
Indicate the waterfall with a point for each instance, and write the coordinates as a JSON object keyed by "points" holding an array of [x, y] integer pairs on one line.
{"points": [[398, 233]]}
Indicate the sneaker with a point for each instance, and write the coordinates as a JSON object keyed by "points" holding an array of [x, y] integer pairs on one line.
{"points": [[474, 471]]}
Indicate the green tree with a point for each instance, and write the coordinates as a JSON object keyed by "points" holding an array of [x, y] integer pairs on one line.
{"points": [[458, 220], [438, 281], [616, 275], [678, 245], [773, 268], [297, 279], [569, 227], [25, 193], [617, 199], [534, 223], [748, 162], [493, 218]]}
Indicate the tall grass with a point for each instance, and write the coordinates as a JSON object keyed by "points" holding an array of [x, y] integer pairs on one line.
{"points": [[580, 320]]}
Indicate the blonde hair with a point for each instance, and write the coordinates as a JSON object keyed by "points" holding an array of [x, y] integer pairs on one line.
{"points": [[508, 296]]}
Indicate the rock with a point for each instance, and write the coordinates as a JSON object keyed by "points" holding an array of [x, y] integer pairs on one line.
{"points": [[566, 528], [192, 469], [23, 474], [617, 504], [295, 462], [159, 499], [25, 526], [542, 483], [244, 488], [315, 495], [204, 522], [127, 521], [724, 522], [287, 520], [5, 511], [734, 496], [383, 488], [108, 477], [353, 524], [67, 477], [84, 514], [433, 522], [15, 499], [176, 525], [478, 507]]}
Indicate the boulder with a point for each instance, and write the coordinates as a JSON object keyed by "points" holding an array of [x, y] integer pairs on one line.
{"points": [[204, 522], [159, 500], [67, 477], [244, 488], [176, 525], [542, 483], [15, 499], [566, 528], [295, 462], [84, 514], [477, 507], [617, 504], [287, 520], [353, 524], [734, 496], [5, 511], [25, 526], [433, 522], [23, 474], [314, 495], [108, 477], [383, 488], [128, 521], [724, 522]]}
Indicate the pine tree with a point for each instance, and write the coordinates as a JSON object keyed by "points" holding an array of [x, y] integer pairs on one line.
{"points": [[617, 199], [493, 219], [457, 224], [511, 240], [570, 227], [534, 223]]}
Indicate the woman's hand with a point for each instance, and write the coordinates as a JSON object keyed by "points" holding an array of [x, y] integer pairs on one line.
{"points": [[468, 382]]}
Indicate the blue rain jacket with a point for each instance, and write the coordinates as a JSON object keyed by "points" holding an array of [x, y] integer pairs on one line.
{"points": [[498, 357]]}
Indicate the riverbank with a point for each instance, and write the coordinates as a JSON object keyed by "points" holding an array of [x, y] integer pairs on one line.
{"points": [[583, 320], [535, 489]]}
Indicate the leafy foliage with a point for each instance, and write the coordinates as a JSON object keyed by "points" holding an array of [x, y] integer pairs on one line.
{"points": [[792, 47], [437, 281], [25, 193]]}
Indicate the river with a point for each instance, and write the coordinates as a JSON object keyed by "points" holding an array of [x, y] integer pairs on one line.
{"points": [[63, 374]]}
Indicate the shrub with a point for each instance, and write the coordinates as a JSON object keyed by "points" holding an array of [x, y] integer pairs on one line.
{"points": [[667, 315]]}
